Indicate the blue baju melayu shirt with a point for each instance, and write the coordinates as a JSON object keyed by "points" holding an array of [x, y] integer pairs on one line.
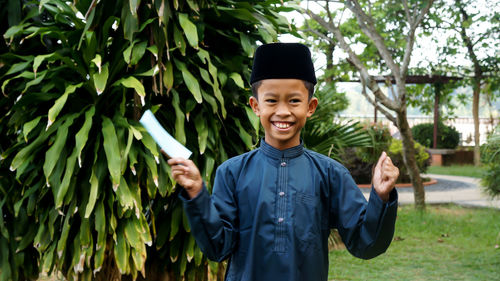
{"points": [[271, 212]]}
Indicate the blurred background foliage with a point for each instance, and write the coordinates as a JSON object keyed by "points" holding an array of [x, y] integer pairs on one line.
{"points": [[490, 157], [447, 137]]}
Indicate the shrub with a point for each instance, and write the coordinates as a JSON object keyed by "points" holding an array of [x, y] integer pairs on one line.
{"points": [[381, 139], [490, 153], [448, 137], [396, 154], [360, 161]]}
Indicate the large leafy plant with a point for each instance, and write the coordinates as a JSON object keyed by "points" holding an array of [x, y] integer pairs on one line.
{"points": [[84, 189], [490, 157]]}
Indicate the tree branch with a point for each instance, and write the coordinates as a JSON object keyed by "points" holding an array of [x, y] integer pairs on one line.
{"points": [[375, 104], [319, 34], [368, 27], [407, 11], [356, 62], [410, 39]]}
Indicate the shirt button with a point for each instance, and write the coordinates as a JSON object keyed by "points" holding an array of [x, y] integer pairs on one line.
{"points": [[281, 219], [282, 194], [283, 164]]}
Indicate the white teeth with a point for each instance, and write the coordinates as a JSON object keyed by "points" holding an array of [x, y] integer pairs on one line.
{"points": [[282, 125]]}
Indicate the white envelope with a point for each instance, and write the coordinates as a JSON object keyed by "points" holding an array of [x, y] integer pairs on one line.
{"points": [[171, 146]]}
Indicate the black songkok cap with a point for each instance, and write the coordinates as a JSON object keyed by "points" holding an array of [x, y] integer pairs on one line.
{"points": [[282, 61]]}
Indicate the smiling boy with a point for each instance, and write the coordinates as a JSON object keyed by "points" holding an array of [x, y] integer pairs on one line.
{"points": [[272, 208]]}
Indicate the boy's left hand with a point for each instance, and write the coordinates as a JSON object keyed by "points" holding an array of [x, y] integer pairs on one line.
{"points": [[384, 176]]}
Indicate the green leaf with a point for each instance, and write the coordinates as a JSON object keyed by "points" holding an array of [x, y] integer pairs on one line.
{"points": [[150, 144], [18, 67], [244, 136], [246, 44], [175, 221], [237, 79], [59, 104], [138, 52], [39, 59], [34, 82], [210, 100], [190, 248], [14, 30], [254, 119], [83, 134], [201, 127], [134, 5], [100, 225], [61, 244], [101, 78], [133, 83], [198, 256], [112, 151], [29, 126], [190, 81], [164, 181], [168, 76], [62, 189], [121, 251], [152, 72], [138, 257], [27, 238], [52, 156], [153, 169], [94, 185], [154, 50], [30, 191], [189, 29], [130, 23], [97, 61], [133, 233], [179, 40], [136, 132], [127, 54], [209, 167], [125, 197], [180, 134]]}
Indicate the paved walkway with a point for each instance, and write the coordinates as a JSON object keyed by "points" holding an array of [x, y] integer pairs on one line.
{"points": [[465, 191]]}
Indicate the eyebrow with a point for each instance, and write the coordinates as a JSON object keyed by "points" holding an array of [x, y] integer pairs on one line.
{"points": [[272, 95]]}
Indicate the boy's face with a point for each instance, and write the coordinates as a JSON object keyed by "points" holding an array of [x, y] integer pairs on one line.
{"points": [[283, 106]]}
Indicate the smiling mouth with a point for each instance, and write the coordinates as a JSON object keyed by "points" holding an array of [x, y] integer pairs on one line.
{"points": [[282, 125]]}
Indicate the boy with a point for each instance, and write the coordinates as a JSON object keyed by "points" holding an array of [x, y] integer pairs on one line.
{"points": [[272, 208]]}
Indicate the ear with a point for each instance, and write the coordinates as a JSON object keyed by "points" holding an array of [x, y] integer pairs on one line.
{"points": [[313, 103], [254, 104]]}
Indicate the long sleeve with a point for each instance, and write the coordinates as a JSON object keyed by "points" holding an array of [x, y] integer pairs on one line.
{"points": [[366, 228], [213, 219]]}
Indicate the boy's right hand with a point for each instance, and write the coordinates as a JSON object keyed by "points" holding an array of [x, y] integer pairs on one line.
{"points": [[187, 175]]}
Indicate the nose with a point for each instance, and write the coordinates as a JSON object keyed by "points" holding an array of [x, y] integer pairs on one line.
{"points": [[282, 110]]}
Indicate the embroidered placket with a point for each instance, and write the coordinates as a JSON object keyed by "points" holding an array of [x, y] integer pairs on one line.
{"points": [[281, 219]]}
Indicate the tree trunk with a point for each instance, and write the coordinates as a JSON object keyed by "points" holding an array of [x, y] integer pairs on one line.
{"points": [[478, 76], [109, 271], [329, 62], [409, 159], [475, 115]]}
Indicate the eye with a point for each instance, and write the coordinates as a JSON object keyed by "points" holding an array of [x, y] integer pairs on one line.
{"points": [[270, 100], [295, 100]]}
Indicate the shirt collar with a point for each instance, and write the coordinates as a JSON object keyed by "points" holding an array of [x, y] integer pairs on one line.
{"points": [[273, 152]]}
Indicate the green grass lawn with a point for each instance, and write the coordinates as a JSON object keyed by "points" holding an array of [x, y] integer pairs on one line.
{"points": [[457, 170], [444, 243]]}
